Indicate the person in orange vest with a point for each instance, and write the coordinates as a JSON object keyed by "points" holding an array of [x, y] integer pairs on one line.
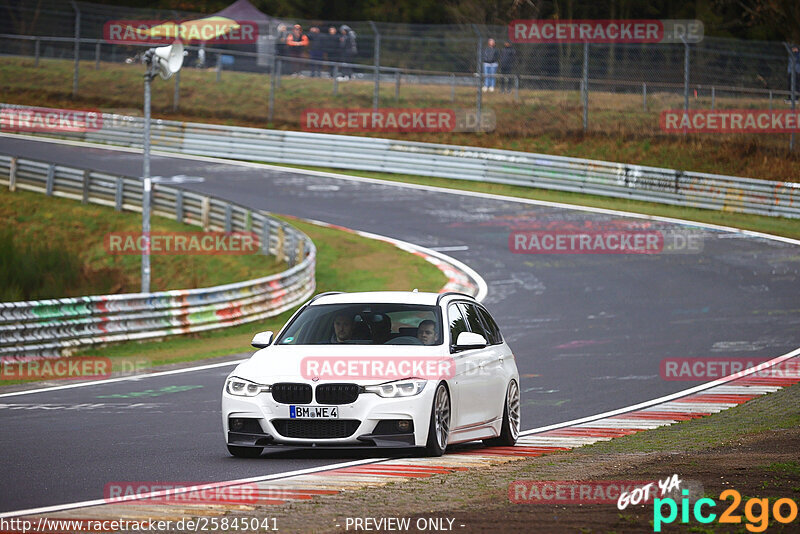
{"points": [[297, 44]]}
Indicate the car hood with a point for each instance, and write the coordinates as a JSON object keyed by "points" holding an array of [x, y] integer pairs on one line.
{"points": [[293, 363]]}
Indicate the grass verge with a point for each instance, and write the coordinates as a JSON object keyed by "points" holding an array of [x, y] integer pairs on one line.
{"points": [[54, 247], [345, 262]]}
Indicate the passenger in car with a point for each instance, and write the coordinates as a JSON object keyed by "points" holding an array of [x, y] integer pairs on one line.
{"points": [[342, 328], [426, 332]]}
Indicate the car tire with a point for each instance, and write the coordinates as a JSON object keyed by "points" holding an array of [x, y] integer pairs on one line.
{"points": [[245, 452], [509, 432], [439, 428]]}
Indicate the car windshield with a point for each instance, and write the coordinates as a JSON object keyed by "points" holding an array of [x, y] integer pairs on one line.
{"points": [[365, 324]]}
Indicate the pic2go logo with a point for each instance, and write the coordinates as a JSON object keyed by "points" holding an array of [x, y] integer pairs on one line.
{"points": [[755, 522]]}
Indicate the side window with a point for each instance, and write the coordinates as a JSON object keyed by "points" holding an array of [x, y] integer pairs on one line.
{"points": [[456, 322], [474, 322], [493, 331]]}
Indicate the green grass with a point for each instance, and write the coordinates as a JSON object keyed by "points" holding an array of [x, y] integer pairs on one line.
{"points": [[345, 262], [54, 247], [772, 225], [540, 121]]}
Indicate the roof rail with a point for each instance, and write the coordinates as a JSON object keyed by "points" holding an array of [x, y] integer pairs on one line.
{"points": [[315, 297], [451, 293]]}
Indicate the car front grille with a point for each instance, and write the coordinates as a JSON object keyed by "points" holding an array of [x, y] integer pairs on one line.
{"points": [[289, 393], [337, 393], [315, 429]]}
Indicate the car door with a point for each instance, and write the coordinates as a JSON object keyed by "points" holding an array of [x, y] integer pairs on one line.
{"points": [[468, 391], [490, 364]]}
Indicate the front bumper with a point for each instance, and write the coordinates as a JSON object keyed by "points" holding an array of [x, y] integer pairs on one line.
{"points": [[363, 415]]}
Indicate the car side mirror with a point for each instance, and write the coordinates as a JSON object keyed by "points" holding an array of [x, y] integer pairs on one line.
{"points": [[470, 340], [262, 339]]}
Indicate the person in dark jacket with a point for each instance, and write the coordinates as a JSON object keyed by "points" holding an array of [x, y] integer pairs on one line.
{"points": [[332, 46], [796, 57], [348, 48], [490, 58], [316, 49], [508, 61]]}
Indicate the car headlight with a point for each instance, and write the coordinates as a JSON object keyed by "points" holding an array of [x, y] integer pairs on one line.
{"points": [[244, 388], [401, 388]]}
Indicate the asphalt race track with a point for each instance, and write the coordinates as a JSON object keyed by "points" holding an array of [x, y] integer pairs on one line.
{"points": [[589, 331]]}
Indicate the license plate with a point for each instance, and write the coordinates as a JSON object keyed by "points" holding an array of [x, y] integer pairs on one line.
{"points": [[313, 412]]}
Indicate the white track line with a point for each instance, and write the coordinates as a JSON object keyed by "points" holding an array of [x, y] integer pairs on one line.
{"points": [[122, 379]]}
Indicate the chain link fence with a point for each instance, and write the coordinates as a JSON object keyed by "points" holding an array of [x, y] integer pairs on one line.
{"points": [[554, 88]]}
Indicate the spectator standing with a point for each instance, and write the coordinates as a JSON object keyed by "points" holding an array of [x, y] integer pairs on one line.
{"points": [[297, 43], [490, 58], [348, 48], [796, 57], [332, 46], [508, 61], [280, 40], [316, 49]]}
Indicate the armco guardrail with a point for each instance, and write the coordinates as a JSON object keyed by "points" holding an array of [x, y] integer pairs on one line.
{"points": [[666, 186], [54, 327]]}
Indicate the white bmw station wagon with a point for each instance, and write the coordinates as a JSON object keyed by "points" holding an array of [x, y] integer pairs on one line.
{"points": [[376, 369]]}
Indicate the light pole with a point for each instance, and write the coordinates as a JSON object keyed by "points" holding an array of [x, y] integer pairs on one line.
{"points": [[165, 61]]}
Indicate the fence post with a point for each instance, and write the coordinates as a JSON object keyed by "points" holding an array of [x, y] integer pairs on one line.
{"points": [[397, 85], [644, 96], [479, 72], [76, 49], [36, 52], [516, 87], [685, 76], [713, 96], [205, 212], [86, 177], [97, 55], [452, 87], [279, 251], [219, 67], [179, 205], [228, 217], [177, 94], [272, 82], [585, 84], [118, 193], [51, 174], [265, 226], [770, 99], [336, 79], [377, 55], [793, 87], [12, 175], [278, 68]]}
